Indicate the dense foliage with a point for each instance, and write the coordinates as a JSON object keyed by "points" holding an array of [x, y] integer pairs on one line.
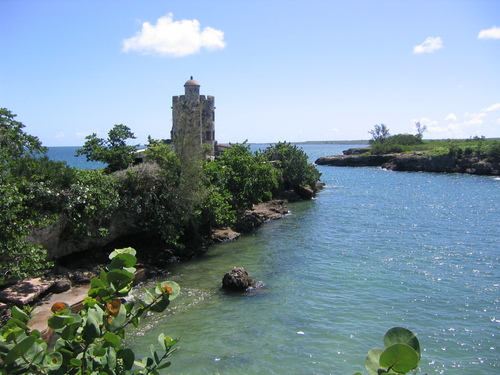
{"points": [[383, 143], [19, 199], [114, 151], [292, 164], [175, 197], [91, 341], [245, 177]]}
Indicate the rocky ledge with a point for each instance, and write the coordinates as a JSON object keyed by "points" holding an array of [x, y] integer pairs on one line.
{"points": [[70, 281], [252, 219], [418, 162]]}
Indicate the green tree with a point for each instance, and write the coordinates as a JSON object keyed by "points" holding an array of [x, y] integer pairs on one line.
{"points": [[21, 195], [292, 162], [14, 142], [248, 178], [113, 151], [421, 129], [379, 133]]}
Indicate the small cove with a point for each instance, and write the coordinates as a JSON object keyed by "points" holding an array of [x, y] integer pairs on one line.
{"points": [[375, 250]]}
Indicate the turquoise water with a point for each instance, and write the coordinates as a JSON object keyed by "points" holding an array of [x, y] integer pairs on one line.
{"points": [[376, 249], [67, 154]]}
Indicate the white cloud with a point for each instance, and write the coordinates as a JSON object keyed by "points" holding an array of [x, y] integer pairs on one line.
{"points": [[493, 33], [493, 107], [451, 117], [463, 126], [474, 119], [174, 38], [431, 44]]}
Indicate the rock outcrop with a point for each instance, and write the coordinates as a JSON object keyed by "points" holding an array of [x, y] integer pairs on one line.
{"points": [[238, 280], [58, 243], [355, 160], [259, 214], [418, 162]]}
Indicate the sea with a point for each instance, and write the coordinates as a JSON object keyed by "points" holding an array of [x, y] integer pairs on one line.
{"points": [[375, 249]]}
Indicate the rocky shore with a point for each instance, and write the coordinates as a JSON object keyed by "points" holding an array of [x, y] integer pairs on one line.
{"points": [[418, 162], [68, 279]]}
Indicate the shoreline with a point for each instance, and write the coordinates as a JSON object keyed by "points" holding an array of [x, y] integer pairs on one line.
{"points": [[418, 162], [40, 293]]}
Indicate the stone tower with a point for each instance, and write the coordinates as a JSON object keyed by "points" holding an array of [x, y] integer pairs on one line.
{"points": [[193, 119]]}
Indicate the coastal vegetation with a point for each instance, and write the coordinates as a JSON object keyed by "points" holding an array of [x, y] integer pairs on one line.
{"points": [[91, 341], [384, 143], [174, 199]]}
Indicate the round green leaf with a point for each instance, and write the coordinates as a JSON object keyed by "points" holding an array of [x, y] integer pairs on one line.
{"points": [[127, 250], [400, 357], [122, 261], [19, 314], [119, 278], [112, 339], [76, 362], [54, 360], [400, 335], [168, 287], [59, 321], [19, 349], [128, 357], [372, 361]]}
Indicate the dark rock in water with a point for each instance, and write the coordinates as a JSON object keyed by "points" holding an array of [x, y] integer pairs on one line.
{"points": [[239, 280]]}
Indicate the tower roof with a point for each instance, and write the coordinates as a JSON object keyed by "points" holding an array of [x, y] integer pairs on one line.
{"points": [[191, 82]]}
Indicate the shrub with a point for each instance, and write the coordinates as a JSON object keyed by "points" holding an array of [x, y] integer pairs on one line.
{"points": [[248, 178], [493, 150], [404, 140], [292, 162], [91, 341]]}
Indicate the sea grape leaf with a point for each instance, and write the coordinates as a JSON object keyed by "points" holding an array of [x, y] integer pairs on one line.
{"points": [[119, 278], [119, 320], [399, 357], [128, 357], [126, 250], [53, 361], [59, 321], [171, 286], [372, 361], [20, 349], [400, 335], [19, 314], [122, 261]]}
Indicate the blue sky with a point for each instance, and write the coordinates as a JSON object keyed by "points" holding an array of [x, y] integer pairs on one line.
{"points": [[279, 70]]}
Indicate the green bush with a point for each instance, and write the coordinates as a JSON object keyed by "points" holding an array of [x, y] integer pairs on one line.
{"points": [[292, 163], [404, 140], [493, 150], [91, 341], [247, 178], [89, 202]]}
